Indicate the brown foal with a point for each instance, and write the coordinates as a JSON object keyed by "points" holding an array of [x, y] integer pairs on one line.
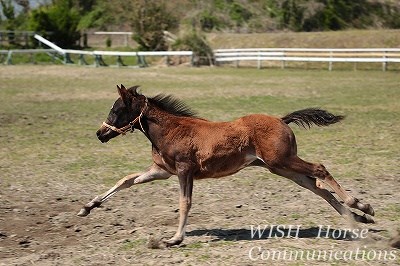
{"points": [[194, 148]]}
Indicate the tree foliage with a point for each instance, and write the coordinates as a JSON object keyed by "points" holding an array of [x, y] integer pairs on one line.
{"points": [[292, 15], [9, 13], [338, 14], [61, 19], [203, 53], [98, 16], [149, 21]]}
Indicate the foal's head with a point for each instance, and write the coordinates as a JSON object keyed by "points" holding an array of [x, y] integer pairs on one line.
{"points": [[124, 114]]}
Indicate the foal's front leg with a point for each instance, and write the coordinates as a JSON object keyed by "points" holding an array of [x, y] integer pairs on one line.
{"points": [[185, 202], [153, 173]]}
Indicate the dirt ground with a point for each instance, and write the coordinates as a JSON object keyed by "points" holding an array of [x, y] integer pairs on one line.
{"points": [[39, 225]]}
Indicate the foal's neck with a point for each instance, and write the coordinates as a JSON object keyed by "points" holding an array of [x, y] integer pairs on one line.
{"points": [[159, 124]]}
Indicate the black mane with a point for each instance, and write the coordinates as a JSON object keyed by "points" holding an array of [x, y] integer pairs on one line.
{"points": [[172, 105]]}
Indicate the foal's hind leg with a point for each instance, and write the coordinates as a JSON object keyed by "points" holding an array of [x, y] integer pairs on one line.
{"points": [[154, 173], [319, 171], [311, 184]]}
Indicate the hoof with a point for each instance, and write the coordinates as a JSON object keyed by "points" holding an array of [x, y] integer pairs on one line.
{"points": [[368, 219], [172, 242], [364, 219], [395, 242], [83, 212], [369, 210]]}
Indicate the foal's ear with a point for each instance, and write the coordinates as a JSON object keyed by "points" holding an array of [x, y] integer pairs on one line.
{"points": [[123, 92]]}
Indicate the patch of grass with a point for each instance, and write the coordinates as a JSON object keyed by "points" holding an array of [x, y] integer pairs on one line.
{"points": [[296, 216], [194, 245], [130, 244], [222, 243], [204, 257], [393, 210]]}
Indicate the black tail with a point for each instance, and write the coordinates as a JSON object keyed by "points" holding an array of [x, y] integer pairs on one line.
{"points": [[307, 117]]}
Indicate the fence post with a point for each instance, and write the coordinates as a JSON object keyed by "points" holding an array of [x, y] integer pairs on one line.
{"points": [[384, 63], [67, 59], [25, 36], [82, 60], [9, 55], [99, 60], [96, 61], [119, 61], [330, 62], [33, 57], [142, 60]]}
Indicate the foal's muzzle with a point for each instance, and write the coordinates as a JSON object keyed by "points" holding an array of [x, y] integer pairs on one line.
{"points": [[104, 134]]}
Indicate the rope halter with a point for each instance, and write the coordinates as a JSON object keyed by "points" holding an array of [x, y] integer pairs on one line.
{"points": [[129, 127]]}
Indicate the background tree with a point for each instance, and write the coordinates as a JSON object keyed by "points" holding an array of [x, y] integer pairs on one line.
{"points": [[194, 41], [61, 19], [9, 13], [9, 23], [149, 18], [149, 21], [24, 4], [292, 15], [99, 16]]}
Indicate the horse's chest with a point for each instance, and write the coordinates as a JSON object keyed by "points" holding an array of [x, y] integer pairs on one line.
{"points": [[164, 161]]}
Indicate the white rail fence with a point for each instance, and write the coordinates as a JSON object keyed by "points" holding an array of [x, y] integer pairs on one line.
{"points": [[330, 56], [7, 55], [141, 56], [98, 55], [384, 56]]}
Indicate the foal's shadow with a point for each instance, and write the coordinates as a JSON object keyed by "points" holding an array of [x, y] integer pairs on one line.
{"points": [[273, 233]]}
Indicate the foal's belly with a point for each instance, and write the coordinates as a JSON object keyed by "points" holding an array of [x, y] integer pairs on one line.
{"points": [[214, 167]]}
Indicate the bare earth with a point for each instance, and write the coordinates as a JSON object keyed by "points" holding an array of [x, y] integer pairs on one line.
{"points": [[45, 230]]}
